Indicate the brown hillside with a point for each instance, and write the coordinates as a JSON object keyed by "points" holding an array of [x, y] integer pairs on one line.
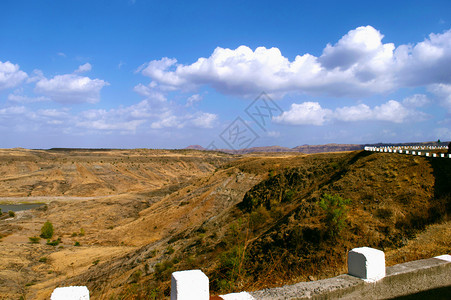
{"points": [[249, 221]]}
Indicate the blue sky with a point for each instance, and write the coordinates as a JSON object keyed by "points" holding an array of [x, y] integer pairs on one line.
{"points": [[168, 74]]}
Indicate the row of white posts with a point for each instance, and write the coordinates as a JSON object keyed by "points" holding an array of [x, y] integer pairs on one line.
{"points": [[410, 152], [365, 263]]}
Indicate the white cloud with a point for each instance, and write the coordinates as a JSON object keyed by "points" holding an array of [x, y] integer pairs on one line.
{"points": [[443, 92], [358, 64], [307, 113], [167, 120], [311, 113], [391, 111], [25, 99], [70, 88], [84, 68], [10, 75], [170, 120], [193, 99], [149, 92], [354, 113], [417, 100], [203, 120]]}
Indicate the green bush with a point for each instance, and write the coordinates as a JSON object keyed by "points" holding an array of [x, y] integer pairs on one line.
{"points": [[11, 213], [34, 239], [47, 230], [336, 213], [77, 244], [54, 242]]}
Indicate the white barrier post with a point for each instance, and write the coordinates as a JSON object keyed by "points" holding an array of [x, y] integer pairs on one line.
{"points": [[366, 263], [187, 285], [70, 293]]}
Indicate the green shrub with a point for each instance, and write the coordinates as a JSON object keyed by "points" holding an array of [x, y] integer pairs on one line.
{"points": [[336, 213], [43, 259], [11, 213], [34, 239], [54, 242], [0, 211], [47, 230], [77, 244]]}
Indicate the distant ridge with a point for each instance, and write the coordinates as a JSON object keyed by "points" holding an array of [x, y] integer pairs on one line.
{"points": [[309, 149]]}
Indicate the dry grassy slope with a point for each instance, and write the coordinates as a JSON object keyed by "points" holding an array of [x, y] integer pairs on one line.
{"points": [[393, 198]]}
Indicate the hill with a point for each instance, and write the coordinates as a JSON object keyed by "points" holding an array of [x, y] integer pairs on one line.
{"points": [[248, 221]]}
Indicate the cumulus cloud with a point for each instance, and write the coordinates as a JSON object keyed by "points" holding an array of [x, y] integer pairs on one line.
{"points": [[71, 88], [203, 120], [307, 113], [311, 113], [10, 75], [150, 92], [84, 68], [358, 64]]}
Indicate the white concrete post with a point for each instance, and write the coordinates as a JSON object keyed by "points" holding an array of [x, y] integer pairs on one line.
{"points": [[427, 153], [442, 155], [366, 263], [70, 293], [187, 285], [434, 154]]}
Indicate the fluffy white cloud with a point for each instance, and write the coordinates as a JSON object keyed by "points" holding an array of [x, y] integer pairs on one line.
{"points": [[303, 114], [354, 113], [311, 113], [149, 92], [71, 88], [10, 75], [358, 64], [203, 120], [84, 68]]}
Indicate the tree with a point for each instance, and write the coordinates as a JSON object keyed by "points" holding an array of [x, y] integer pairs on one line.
{"points": [[47, 230], [336, 213]]}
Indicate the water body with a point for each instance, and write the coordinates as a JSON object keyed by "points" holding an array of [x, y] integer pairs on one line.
{"points": [[18, 207]]}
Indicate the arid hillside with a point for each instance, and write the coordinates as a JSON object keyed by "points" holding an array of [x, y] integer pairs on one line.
{"points": [[126, 219]]}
